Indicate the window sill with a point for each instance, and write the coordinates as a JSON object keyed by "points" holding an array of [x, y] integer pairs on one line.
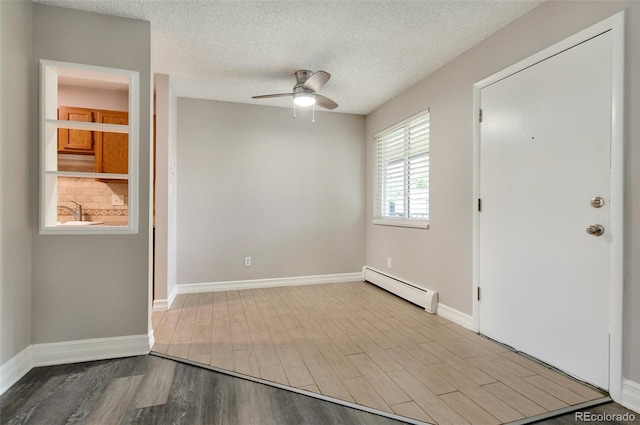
{"points": [[95, 229], [417, 224]]}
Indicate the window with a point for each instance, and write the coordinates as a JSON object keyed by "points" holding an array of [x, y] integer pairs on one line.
{"points": [[402, 173], [89, 153]]}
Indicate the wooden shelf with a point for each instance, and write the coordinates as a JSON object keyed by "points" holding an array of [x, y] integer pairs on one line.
{"points": [[92, 126], [102, 176]]}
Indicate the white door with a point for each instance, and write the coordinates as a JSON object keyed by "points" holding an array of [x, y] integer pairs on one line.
{"points": [[544, 154]]}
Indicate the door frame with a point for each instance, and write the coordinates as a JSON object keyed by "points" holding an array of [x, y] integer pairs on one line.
{"points": [[615, 24]]}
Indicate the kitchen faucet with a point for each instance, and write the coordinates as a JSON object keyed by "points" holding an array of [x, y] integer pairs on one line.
{"points": [[77, 213]]}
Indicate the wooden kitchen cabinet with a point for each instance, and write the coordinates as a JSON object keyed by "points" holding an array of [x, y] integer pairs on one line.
{"points": [[112, 149], [75, 141]]}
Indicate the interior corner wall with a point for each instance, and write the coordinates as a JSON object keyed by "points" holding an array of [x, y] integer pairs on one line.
{"points": [[165, 188], [255, 182], [441, 258], [17, 104], [92, 286]]}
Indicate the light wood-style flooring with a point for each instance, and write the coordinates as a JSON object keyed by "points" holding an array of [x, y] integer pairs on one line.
{"points": [[358, 343]]}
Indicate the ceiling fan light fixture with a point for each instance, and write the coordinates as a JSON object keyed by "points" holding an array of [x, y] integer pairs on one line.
{"points": [[305, 91], [304, 99]]}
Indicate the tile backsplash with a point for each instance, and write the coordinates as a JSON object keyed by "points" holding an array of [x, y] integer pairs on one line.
{"points": [[95, 198]]}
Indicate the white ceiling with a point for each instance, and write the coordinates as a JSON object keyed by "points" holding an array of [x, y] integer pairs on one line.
{"points": [[232, 50]]}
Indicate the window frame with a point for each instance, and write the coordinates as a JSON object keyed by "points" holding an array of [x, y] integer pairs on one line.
{"points": [[405, 156], [49, 125]]}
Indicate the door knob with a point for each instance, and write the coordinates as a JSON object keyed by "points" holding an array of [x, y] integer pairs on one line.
{"points": [[595, 230], [597, 202]]}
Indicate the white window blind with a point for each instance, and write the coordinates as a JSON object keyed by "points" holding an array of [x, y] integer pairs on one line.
{"points": [[402, 173]]}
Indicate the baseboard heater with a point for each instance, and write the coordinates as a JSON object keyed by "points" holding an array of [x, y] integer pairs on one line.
{"points": [[425, 298]]}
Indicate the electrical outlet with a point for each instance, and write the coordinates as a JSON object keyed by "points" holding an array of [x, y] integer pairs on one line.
{"points": [[389, 262], [247, 261], [117, 199]]}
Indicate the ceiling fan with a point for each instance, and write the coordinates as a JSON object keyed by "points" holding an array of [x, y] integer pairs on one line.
{"points": [[304, 92]]}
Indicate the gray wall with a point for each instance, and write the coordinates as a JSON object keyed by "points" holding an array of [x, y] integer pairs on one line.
{"points": [[256, 182], [92, 286], [16, 107], [441, 257]]}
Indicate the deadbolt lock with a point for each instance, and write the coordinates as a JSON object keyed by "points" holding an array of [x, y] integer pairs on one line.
{"points": [[595, 230], [597, 202]]}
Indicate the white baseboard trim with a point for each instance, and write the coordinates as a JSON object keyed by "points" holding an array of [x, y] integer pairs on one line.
{"points": [[152, 339], [89, 350], [189, 288], [72, 352], [172, 297], [160, 305], [630, 395], [14, 369], [455, 316], [165, 304]]}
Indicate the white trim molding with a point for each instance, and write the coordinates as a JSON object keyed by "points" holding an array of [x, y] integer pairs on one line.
{"points": [[456, 316], [14, 369], [189, 288], [89, 350], [630, 395], [615, 24], [66, 352], [152, 339], [160, 305], [50, 72], [172, 296], [165, 304]]}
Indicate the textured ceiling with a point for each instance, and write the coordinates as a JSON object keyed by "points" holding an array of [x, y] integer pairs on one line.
{"points": [[232, 50]]}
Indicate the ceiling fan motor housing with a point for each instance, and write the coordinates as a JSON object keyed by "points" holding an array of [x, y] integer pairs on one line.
{"points": [[302, 76]]}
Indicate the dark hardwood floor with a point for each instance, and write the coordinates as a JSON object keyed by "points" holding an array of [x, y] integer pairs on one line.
{"points": [[154, 390]]}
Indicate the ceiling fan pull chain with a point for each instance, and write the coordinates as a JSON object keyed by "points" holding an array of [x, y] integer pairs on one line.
{"points": [[294, 110], [313, 116]]}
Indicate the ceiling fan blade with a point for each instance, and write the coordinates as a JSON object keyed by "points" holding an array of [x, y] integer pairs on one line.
{"points": [[325, 102], [266, 96], [316, 81]]}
